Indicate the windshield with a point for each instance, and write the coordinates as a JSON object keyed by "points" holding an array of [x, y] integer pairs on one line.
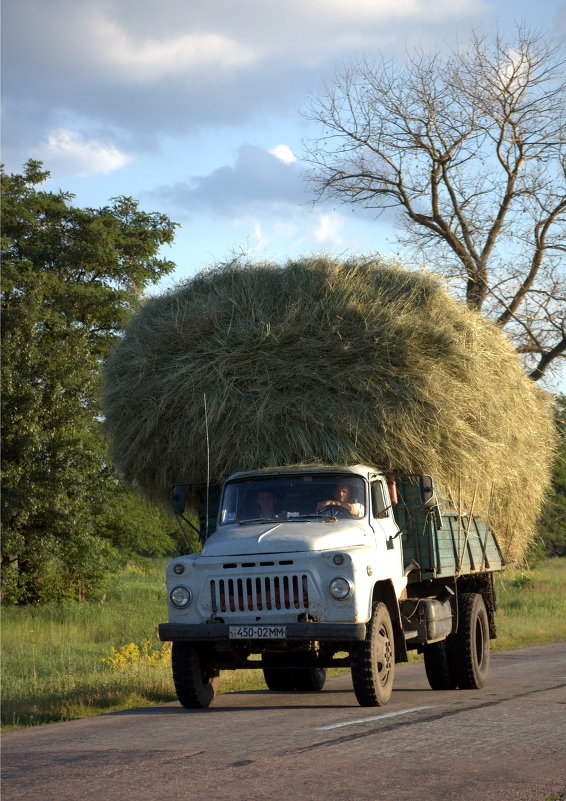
{"points": [[291, 497]]}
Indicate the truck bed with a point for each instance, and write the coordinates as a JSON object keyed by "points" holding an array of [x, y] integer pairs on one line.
{"points": [[441, 541]]}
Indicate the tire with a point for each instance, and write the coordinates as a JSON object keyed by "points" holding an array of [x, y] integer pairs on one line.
{"points": [[310, 679], [195, 681], [373, 660], [469, 647], [292, 679], [438, 666], [279, 679], [295, 679]]}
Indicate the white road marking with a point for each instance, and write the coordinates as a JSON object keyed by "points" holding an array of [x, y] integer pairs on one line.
{"points": [[375, 717]]}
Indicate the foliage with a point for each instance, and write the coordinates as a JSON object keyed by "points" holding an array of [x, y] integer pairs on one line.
{"points": [[132, 656], [551, 540], [336, 362], [469, 149], [71, 278], [135, 526], [531, 605]]}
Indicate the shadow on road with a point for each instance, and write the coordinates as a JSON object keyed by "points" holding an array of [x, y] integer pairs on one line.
{"points": [[273, 700]]}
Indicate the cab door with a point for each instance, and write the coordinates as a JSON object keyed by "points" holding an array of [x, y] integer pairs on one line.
{"points": [[387, 534]]}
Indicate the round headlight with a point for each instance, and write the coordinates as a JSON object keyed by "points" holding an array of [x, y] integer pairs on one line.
{"points": [[180, 597], [340, 588], [179, 568]]}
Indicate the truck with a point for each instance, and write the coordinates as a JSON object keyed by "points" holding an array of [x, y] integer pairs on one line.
{"points": [[306, 568]]}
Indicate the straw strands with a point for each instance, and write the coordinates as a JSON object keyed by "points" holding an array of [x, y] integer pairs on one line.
{"points": [[333, 362]]}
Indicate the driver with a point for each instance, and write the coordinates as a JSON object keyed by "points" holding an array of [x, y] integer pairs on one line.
{"points": [[342, 497]]}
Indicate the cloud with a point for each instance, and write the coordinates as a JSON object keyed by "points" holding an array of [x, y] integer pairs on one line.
{"points": [[284, 153], [151, 72], [259, 180], [71, 153], [260, 241], [329, 228], [300, 230], [150, 60], [397, 9], [262, 200]]}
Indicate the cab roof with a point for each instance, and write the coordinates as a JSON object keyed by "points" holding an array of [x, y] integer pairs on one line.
{"points": [[292, 470]]}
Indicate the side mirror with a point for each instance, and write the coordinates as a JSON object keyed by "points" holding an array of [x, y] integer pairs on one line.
{"points": [[426, 487], [178, 498]]}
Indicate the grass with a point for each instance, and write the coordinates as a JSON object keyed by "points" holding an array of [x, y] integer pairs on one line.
{"points": [[532, 606], [52, 654], [56, 659]]}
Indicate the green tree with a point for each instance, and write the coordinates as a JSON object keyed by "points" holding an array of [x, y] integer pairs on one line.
{"points": [[71, 278], [137, 527], [552, 524]]}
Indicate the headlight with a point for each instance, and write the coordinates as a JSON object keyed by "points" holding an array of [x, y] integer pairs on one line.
{"points": [[180, 597], [340, 588]]}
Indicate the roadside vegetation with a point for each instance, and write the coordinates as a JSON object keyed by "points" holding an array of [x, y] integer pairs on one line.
{"points": [[73, 660]]}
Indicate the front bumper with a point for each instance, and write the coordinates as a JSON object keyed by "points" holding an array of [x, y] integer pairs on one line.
{"points": [[213, 632]]}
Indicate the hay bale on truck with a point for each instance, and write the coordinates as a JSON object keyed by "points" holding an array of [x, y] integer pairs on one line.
{"points": [[325, 395], [330, 362]]}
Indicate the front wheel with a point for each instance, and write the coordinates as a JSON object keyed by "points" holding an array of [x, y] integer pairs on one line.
{"points": [[373, 660], [469, 647], [195, 681]]}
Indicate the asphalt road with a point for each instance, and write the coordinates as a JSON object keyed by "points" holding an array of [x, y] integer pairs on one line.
{"points": [[506, 742]]}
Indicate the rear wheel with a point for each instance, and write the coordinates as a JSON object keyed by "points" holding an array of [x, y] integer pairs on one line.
{"points": [[438, 666], [292, 679], [469, 647], [373, 660], [195, 680], [311, 679], [279, 679]]}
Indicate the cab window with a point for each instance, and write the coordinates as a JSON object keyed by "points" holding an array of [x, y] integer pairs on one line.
{"points": [[379, 503]]}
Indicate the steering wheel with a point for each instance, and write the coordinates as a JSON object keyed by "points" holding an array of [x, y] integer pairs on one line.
{"points": [[335, 510]]}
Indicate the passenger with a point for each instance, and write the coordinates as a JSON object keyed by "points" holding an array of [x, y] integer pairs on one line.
{"points": [[342, 498], [267, 504]]}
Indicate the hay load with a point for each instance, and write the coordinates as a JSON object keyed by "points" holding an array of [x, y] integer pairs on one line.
{"points": [[321, 361]]}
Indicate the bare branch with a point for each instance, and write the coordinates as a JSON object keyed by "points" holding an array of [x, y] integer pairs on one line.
{"points": [[548, 357], [469, 149]]}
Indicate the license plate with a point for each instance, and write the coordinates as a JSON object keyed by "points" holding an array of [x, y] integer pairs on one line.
{"points": [[257, 632]]}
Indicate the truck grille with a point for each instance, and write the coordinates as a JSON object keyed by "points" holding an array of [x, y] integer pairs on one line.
{"points": [[259, 593]]}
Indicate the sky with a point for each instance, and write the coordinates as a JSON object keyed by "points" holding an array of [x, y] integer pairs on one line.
{"points": [[196, 109]]}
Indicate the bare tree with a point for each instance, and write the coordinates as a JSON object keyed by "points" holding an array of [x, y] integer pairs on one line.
{"points": [[470, 150]]}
